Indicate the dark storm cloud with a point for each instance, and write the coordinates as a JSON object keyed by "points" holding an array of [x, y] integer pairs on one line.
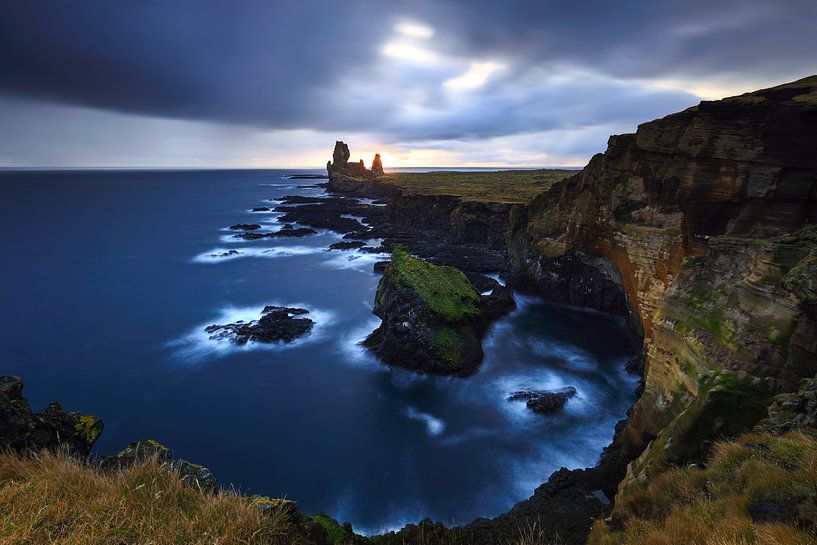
{"points": [[318, 64]]}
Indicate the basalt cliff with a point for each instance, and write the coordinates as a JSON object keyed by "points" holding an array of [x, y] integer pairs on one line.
{"points": [[705, 221], [700, 228]]}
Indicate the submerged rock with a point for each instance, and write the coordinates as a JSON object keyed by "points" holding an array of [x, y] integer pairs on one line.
{"points": [[544, 401], [245, 227], [433, 317], [286, 231], [261, 209], [21, 429], [276, 324]]}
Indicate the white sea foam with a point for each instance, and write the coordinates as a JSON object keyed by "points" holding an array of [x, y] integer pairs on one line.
{"points": [[218, 255], [434, 426], [572, 355], [370, 202], [197, 345], [358, 219], [352, 350], [354, 260], [496, 277]]}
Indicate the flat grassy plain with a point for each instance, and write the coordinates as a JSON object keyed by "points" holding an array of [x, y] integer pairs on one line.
{"points": [[506, 186]]}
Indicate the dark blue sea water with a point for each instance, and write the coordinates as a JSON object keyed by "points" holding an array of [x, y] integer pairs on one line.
{"points": [[107, 283]]}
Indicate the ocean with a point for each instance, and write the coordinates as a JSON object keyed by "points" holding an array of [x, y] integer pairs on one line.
{"points": [[110, 277]]}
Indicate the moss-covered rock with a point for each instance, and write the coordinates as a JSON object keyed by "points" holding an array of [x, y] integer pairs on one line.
{"points": [[433, 317]]}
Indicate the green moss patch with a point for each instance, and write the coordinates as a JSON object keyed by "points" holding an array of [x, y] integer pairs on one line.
{"points": [[337, 533], [448, 344], [89, 427], [445, 290]]}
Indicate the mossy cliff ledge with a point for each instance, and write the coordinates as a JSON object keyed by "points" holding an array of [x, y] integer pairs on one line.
{"points": [[433, 317]]}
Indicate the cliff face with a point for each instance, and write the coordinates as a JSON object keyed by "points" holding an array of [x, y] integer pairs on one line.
{"points": [[703, 220]]}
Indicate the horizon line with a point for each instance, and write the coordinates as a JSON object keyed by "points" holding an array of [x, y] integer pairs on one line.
{"points": [[322, 168]]}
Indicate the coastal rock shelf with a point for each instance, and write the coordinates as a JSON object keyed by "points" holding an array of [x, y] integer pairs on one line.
{"points": [[433, 317]]}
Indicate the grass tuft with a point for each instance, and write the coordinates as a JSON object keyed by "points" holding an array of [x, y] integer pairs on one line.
{"points": [[712, 505], [56, 499]]}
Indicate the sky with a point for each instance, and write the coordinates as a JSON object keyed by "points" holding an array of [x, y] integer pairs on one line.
{"points": [[265, 83]]}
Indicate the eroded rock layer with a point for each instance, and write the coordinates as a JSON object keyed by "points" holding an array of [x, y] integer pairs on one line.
{"points": [[704, 219]]}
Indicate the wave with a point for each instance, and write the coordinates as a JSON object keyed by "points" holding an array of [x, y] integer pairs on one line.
{"points": [[218, 255], [434, 426]]}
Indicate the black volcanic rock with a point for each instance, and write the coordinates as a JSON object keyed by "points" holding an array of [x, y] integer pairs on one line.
{"points": [[52, 428], [276, 324], [261, 209], [432, 317], [245, 227], [287, 231], [544, 401]]}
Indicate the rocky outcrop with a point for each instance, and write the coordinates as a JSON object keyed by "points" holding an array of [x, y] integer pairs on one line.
{"points": [[433, 317], [377, 165], [340, 165], [52, 428], [685, 216], [277, 324], [544, 401], [138, 451], [793, 411]]}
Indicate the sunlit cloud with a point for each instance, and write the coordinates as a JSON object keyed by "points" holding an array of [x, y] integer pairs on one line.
{"points": [[476, 76], [405, 51], [414, 30]]}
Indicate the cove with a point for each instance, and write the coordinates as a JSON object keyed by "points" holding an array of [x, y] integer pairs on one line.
{"points": [[112, 276]]}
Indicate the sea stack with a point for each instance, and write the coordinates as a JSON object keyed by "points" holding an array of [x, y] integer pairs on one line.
{"points": [[340, 164], [377, 165]]}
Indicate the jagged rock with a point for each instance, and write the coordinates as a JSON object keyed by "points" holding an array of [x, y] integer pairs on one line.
{"points": [[340, 165], [245, 227], [52, 428], [793, 411], [380, 266], [261, 209], [433, 318], [544, 401], [377, 165], [276, 324], [341, 154]]}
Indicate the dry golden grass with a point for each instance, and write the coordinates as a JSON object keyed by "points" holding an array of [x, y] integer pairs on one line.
{"points": [[54, 499], [710, 506]]}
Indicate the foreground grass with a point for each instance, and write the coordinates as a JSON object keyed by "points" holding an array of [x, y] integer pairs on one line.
{"points": [[759, 489], [52, 499], [509, 186]]}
